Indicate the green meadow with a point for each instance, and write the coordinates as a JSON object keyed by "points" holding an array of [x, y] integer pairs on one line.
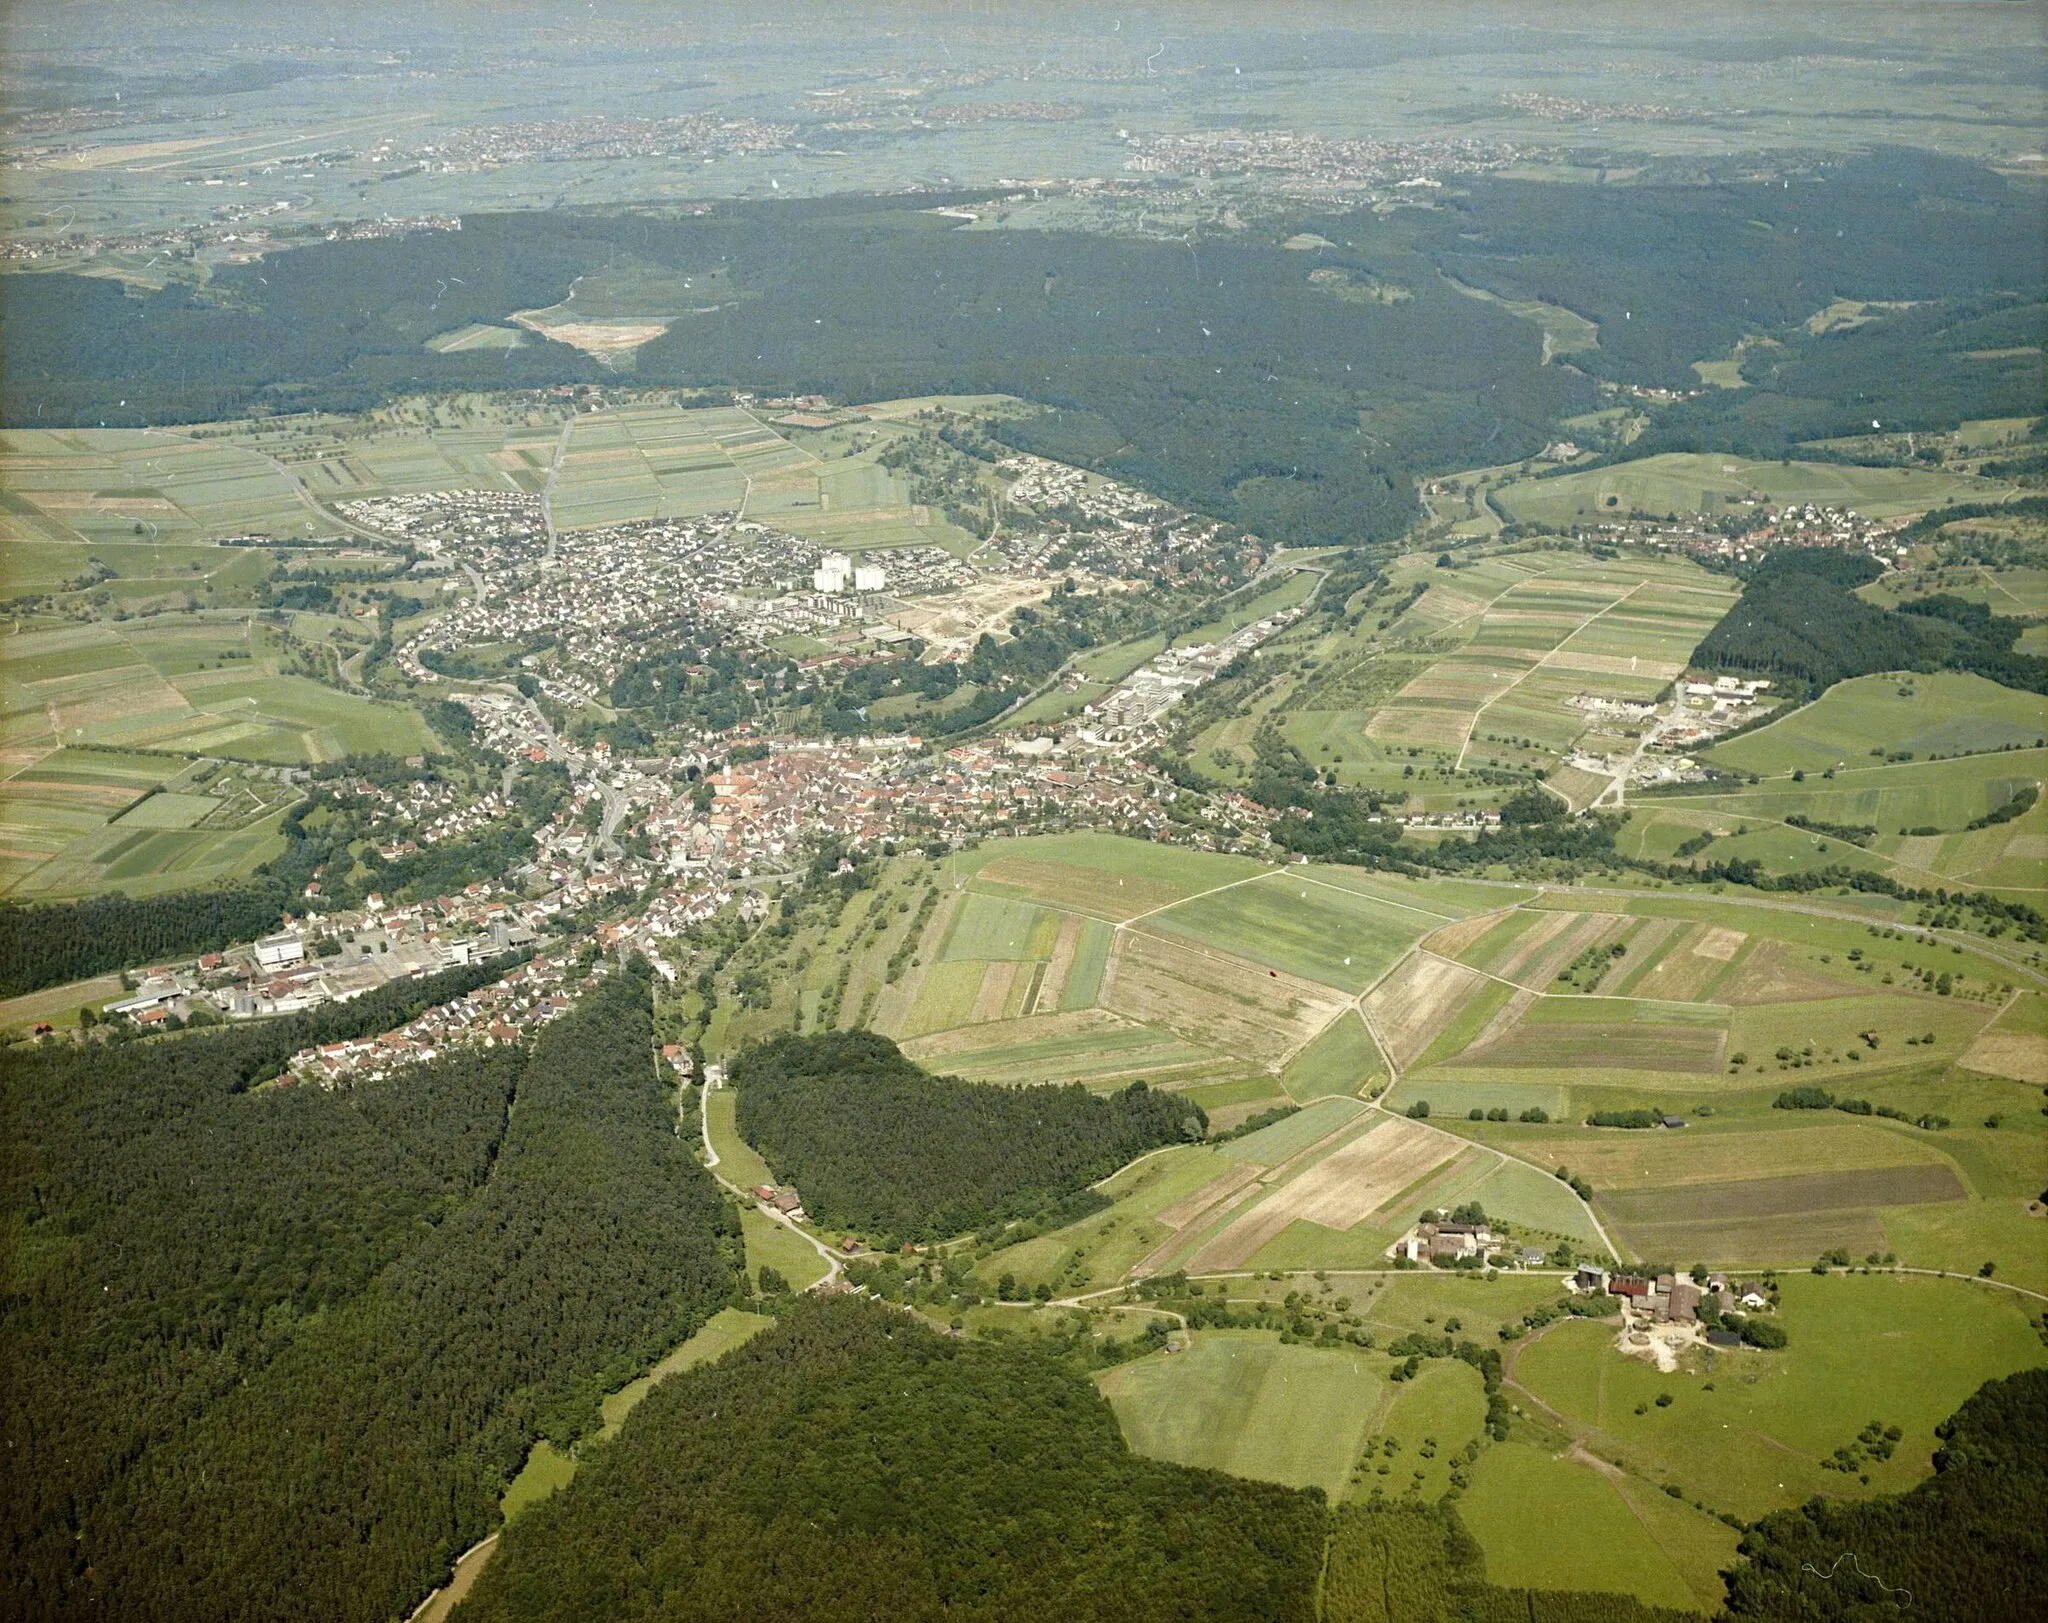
{"points": [[1746, 1431], [1344, 1059], [1241, 1402], [1944, 712], [1546, 1521], [1686, 483]]}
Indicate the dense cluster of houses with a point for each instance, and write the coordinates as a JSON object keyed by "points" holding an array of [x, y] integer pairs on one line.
{"points": [[1312, 167], [507, 1011]]}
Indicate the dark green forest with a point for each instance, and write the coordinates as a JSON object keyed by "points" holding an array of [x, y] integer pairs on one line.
{"points": [[853, 1464], [49, 943], [1969, 1545], [1214, 372], [875, 1143], [273, 1354], [1674, 274], [1799, 617]]}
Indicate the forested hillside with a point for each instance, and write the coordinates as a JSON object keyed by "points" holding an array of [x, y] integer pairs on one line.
{"points": [[874, 1143], [1677, 273], [1969, 1545], [1799, 617], [1216, 372], [273, 1354], [853, 1464]]}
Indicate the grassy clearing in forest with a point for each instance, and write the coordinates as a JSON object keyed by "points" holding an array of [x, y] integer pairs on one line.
{"points": [[1239, 1401]]}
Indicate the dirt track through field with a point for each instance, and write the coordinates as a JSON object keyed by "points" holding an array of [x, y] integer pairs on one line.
{"points": [[995, 992], [1056, 969], [1215, 999], [1412, 1005]]}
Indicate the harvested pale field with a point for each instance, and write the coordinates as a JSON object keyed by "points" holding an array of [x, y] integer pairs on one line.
{"points": [[1919, 850], [1219, 1001], [1772, 975], [1534, 941], [1420, 726], [1062, 960], [602, 339], [1587, 931], [1627, 1161], [1241, 1241], [1225, 1117], [1362, 1176], [1660, 670], [1035, 1028], [1213, 1193], [995, 992], [1357, 1180], [1412, 1005], [2032, 847], [1689, 964], [2023, 1058], [1453, 939], [1580, 788]]}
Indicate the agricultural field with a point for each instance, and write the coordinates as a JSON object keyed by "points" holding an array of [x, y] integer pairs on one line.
{"points": [[1710, 1010], [771, 1245], [1481, 670], [78, 491], [197, 715], [1921, 811], [1547, 1521], [738, 1161], [1084, 958], [1343, 1060], [1491, 1002], [1909, 717], [1239, 1401], [156, 486], [1685, 483]]}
